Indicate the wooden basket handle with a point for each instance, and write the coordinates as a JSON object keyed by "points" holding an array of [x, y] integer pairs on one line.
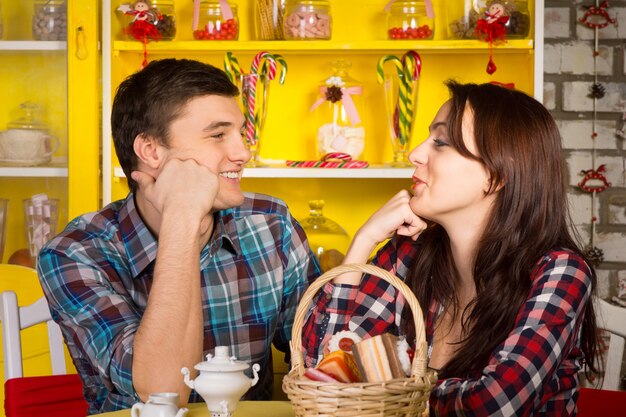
{"points": [[418, 367]]}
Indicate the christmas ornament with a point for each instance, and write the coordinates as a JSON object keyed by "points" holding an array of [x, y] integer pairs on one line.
{"points": [[594, 180], [492, 28], [597, 16], [144, 24], [596, 90], [594, 255]]}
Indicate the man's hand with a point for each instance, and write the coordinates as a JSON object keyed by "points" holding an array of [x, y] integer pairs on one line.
{"points": [[183, 188]]}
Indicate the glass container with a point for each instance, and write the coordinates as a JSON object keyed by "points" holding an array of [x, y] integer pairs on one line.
{"points": [[327, 239], [50, 20], [400, 97], [513, 15], [259, 86], [409, 20], [308, 19], [216, 24], [462, 16], [1, 27], [148, 20], [40, 216], [339, 109], [26, 142], [269, 19], [4, 208]]}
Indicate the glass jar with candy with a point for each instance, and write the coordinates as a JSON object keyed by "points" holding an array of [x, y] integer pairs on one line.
{"points": [[217, 21], [148, 20], [411, 20], [50, 20], [307, 20]]}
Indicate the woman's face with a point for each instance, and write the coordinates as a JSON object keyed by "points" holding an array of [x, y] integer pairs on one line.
{"points": [[448, 187]]}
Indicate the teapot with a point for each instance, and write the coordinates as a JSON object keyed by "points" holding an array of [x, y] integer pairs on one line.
{"points": [[221, 382], [162, 404]]}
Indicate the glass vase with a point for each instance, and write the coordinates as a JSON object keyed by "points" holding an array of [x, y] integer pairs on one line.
{"points": [[400, 108], [327, 239], [339, 109], [254, 100], [269, 19]]}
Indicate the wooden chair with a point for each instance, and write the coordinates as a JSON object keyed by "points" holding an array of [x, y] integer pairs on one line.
{"points": [[607, 401], [59, 394]]}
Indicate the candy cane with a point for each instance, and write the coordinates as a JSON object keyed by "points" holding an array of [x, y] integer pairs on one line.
{"points": [[401, 112], [232, 67], [328, 164], [251, 122]]}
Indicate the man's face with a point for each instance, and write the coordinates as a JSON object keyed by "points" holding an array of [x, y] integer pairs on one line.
{"points": [[210, 128]]}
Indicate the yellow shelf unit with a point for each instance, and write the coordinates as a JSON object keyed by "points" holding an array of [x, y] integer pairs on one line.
{"points": [[62, 77], [359, 35]]}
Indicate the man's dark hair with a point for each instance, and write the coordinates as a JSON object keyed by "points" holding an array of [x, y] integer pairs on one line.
{"points": [[148, 101]]}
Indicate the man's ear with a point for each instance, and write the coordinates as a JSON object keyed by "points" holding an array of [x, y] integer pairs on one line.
{"points": [[148, 150]]}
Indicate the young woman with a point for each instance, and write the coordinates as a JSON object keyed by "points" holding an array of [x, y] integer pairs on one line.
{"points": [[483, 241]]}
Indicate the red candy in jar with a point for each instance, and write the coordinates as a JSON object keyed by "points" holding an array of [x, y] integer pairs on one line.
{"points": [[410, 20], [216, 24]]}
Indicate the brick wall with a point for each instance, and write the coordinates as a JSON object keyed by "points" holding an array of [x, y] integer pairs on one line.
{"points": [[568, 74]]}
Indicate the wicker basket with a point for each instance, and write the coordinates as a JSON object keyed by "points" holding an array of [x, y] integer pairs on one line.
{"points": [[406, 397]]}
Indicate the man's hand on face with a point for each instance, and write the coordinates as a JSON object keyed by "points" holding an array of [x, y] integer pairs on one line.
{"points": [[183, 187]]}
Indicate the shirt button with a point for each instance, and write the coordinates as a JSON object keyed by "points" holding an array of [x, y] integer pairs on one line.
{"points": [[329, 296]]}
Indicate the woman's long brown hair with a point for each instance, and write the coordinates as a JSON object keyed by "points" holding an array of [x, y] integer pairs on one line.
{"points": [[519, 143]]}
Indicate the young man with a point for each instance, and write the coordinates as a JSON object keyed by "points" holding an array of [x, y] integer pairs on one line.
{"points": [[186, 262]]}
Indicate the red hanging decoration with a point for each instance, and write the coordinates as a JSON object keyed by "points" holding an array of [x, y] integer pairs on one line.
{"points": [[492, 29], [144, 24], [597, 16], [594, 180]]}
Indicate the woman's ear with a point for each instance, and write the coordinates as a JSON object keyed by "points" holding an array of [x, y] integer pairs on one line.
{"points": [[148, 151]]}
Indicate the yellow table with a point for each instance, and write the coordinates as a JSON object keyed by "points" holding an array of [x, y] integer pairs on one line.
{"points": [[244, 409]]}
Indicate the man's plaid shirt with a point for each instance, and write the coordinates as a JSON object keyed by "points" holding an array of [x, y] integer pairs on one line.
{"points": [[97, 276]]}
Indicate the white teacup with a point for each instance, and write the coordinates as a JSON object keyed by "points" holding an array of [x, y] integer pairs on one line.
{"points": [[27, 145], [161, 404]]}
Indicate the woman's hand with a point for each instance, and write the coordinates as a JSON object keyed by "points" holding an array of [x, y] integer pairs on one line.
{"points": [[395, 217]]}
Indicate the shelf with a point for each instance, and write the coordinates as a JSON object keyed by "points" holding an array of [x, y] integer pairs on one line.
{"points": [[33, 46], [282, 172], [41, 171], [314, 47]]}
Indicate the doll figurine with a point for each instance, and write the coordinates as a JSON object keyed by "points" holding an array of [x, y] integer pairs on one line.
{"points": [[492, 28], [143, 25]]}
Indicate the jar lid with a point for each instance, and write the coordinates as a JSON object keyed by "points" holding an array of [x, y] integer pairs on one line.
{"points": [[309, 2], [407, 7], [221, 362], [28, 118]]}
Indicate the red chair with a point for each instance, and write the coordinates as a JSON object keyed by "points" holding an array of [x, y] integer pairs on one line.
{"points": [[601, 403], [59, 394]]}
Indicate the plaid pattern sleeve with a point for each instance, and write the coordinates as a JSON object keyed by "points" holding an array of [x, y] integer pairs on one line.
{"points": [[366, 310], [534, 371], [98, 272]]}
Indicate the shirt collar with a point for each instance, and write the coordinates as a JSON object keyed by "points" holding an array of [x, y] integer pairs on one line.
{"points": [[141, 245], [224, 235], [139, 242]]}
